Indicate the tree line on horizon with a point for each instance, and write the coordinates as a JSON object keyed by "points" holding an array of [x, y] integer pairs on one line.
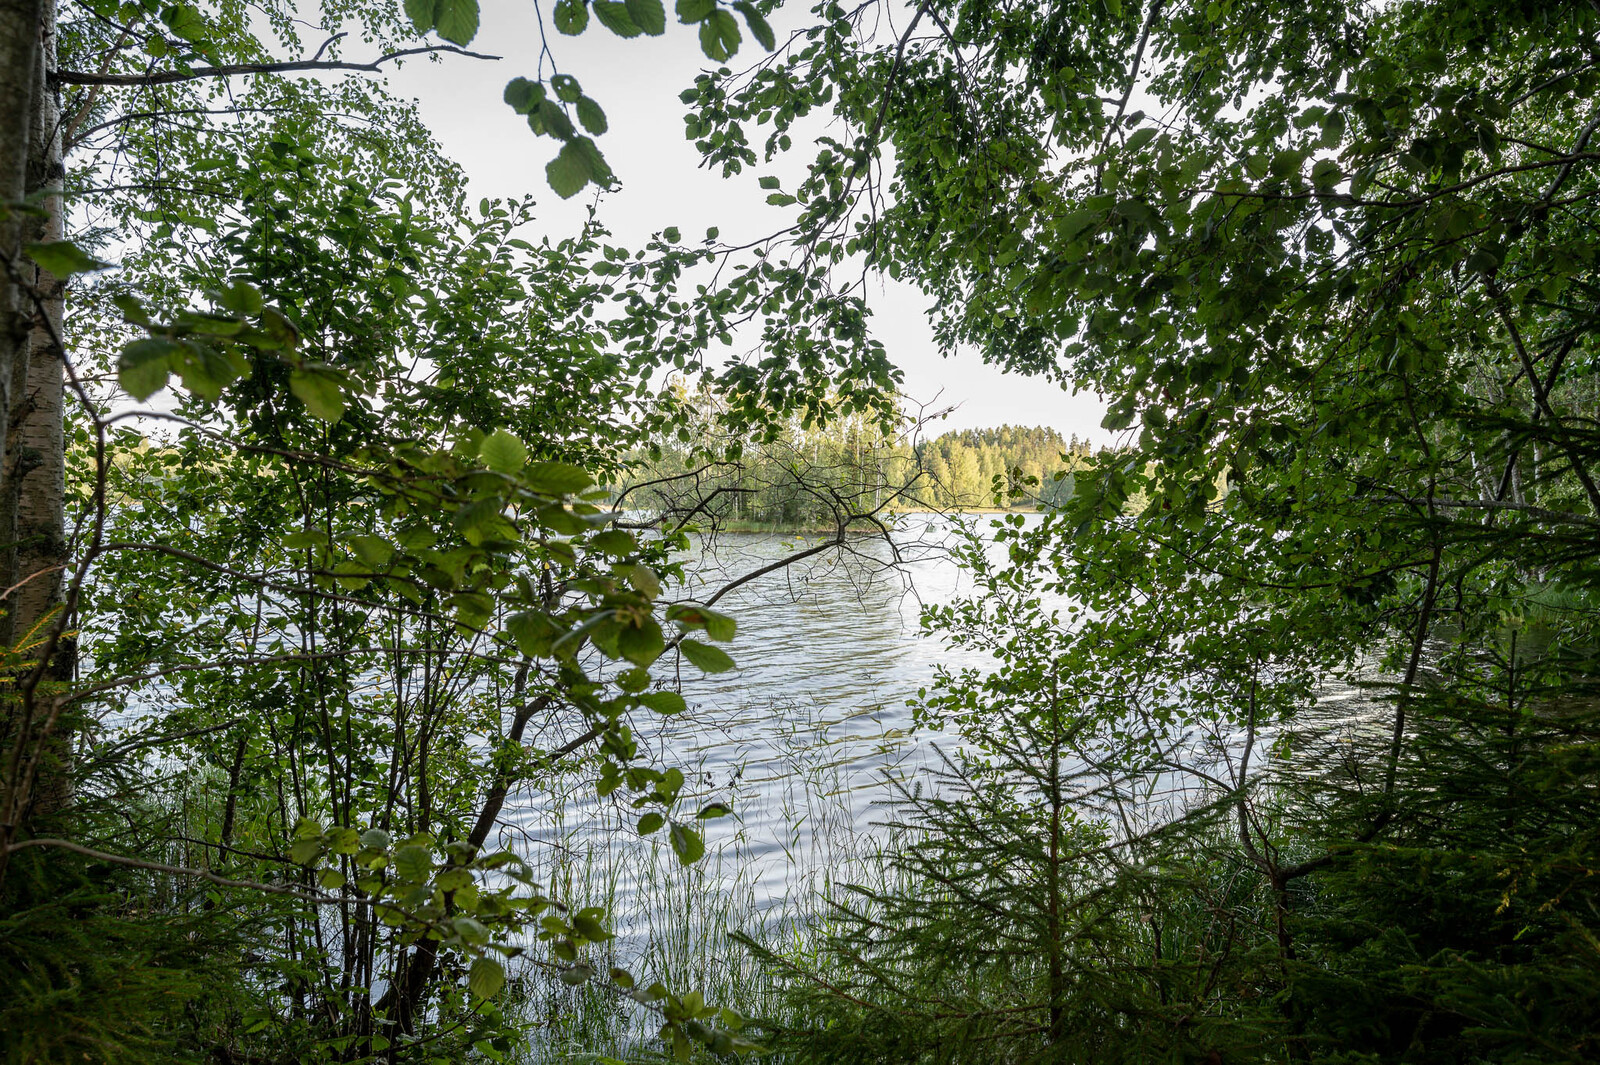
{"points": [[820, 478]]}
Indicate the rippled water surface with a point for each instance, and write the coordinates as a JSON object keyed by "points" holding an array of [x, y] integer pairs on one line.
{"points": [[802, 736]]}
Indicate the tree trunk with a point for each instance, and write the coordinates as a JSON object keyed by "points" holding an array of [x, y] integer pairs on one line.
{"points": [[21, 24], [32, 463]]}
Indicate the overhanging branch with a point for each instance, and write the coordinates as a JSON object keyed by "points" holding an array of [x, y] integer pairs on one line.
{"points": [[165, 77]]}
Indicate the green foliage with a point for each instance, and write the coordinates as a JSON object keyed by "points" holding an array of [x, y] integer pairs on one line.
{"points": [[1331, 266]]}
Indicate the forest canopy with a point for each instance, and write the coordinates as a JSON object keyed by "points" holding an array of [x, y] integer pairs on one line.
{"points": [[310, 563]]}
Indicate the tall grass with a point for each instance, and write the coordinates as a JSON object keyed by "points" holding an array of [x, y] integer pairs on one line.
{"points": [[798, 833]]}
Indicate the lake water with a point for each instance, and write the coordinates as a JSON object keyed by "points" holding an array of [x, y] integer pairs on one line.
{"points": [[801, 738]]}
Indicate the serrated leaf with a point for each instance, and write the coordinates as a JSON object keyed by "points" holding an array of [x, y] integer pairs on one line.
{"points": [[343, 840], [719, 35], [613, 15], [615, 542], [759, 28], [420, 12], [714, 809], [305, 851], [413, 862], [144, 367], [523, 95], [649, 15], [642, 644], [64, 258], [645, 581], [708, 658], [592, 117], [502, 452], [688, 845], [568, 172], [576, 975], [691, 11], [566, 88], [375, 551], [571, 17], [533, 632], [457, 20], [650, 822], [485, 978], [319, 392], [556, 478], [664, 702], [184, 22]]}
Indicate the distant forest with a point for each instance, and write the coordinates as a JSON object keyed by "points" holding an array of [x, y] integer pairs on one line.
{"points": [[815, 477]]}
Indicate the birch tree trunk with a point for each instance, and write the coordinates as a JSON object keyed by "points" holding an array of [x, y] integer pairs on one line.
{"points": [[34, 745], [21, 22]]}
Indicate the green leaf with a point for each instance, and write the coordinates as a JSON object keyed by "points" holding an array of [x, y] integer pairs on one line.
{"points": [[687, 843], [719, 35], [375, 551], [485, 978], [343, 840], [457, 20], [1326, 173], [613, 15], [549, 117], [642, 644], [305, 851], [759, 29], [185, 23], [556, 478], [650, 822], [413, 862], [571, 17], [320, 393], [615, 542], [64, 258], [591, 116], [376, 838], [713, 809], [144, 367], [502, 452], [523, 95], [1140, 138], [694, 616], [241, 298], [534, 633], [649, 15], [568, 172], [710, 659], [420, 12], [566, 88], [666, 703], [692, 11], [645, 581]]}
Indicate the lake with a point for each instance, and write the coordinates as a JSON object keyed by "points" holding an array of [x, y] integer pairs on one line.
{"points": [[800, 738]]}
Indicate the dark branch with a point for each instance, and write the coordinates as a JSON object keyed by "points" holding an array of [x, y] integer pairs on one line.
{"points": [[164, 77]]}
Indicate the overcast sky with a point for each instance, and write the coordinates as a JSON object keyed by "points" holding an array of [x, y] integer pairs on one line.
{"points": [[637, 82]]}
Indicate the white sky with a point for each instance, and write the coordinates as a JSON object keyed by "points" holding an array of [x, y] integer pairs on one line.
{"points": [[637, 82]]}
